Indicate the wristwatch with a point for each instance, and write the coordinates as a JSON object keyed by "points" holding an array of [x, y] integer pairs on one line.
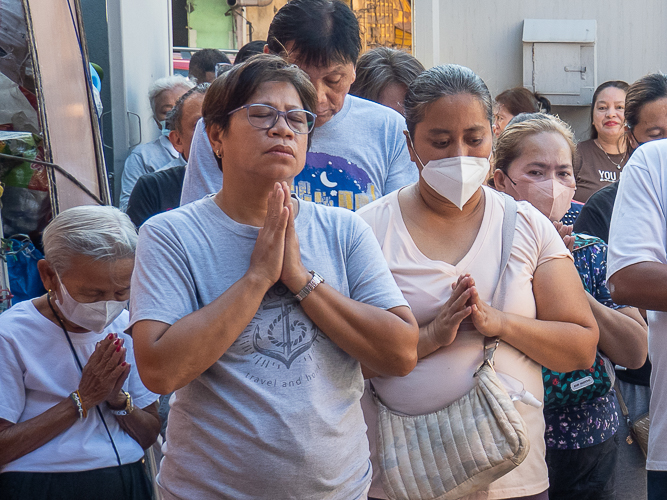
{"points": [[129, 406], [312, 284]]}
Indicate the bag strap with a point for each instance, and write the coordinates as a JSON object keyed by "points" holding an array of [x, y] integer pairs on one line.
{"points": [[509, 228], [498, 301], [624, 409]]}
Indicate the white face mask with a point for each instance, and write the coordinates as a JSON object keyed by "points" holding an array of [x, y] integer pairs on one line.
{"points": [[457, 178], [93, 316]]}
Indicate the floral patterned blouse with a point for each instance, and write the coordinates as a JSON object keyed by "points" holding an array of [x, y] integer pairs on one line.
{"points": [[592, 422]]}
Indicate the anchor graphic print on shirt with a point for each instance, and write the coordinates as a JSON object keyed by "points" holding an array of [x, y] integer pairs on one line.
{"points": [[280, 337]]}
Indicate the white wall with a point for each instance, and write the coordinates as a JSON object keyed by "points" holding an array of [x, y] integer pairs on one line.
{"points": [[140, 52], [485, 35]]}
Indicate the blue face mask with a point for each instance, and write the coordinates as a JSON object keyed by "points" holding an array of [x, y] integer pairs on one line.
{"points": [[163, 126]]}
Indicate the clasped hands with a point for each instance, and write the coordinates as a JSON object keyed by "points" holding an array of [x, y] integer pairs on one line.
{"points": [[104, 374], [464, 303], [565, 232], [277, 255]]}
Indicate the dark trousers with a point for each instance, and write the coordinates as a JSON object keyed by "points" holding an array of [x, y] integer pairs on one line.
{"points": [[656, 483], [584, 474], [127, 482]]}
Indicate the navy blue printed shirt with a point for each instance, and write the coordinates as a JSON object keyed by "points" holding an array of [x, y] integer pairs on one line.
{"points": [[592, 422]]}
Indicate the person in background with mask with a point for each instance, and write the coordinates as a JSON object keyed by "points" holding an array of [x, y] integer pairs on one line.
{"points": [[534, 162], [600, 159], [160, 191], [160, 153], [564, 226], [442, 239], [383, 76], [358, 152], [74, 416]]}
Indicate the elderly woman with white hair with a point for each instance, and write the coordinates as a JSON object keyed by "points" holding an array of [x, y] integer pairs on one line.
{"points": [[160, 153], [74, 415]]}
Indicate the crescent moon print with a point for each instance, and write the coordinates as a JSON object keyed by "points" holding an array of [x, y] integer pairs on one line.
{"points": [[334, 181]]}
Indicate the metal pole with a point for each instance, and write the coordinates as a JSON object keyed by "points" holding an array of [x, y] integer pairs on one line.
{"points": [[5, 294]]}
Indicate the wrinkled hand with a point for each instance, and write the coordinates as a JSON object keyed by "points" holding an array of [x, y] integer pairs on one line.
{"points": [[266, 261], [294, 274], [487, 320], [103, 372], [117, 398], [442, 330], [565, 232]]}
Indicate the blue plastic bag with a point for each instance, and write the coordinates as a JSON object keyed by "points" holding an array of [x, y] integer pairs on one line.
{"points": [[24, 280]]}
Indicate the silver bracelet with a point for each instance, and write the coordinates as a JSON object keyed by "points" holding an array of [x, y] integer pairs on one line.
{"points": [[312, 284], [77, 401]]}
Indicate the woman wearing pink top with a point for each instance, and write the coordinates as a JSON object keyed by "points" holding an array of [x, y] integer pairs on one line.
{"points": [[442, 240]]}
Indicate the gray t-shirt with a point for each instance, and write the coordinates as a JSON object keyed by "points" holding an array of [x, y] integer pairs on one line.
{"points": [[356, 157], [278, 416]]}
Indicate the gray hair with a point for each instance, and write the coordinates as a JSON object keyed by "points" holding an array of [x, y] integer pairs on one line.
{"points": [[440, 81], [175, 114], [101, 232], [380, 67], [166, 83]]}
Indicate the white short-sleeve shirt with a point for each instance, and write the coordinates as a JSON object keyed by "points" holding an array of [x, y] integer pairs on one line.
{"points": [[38, 370], [638, 233], [447, 374]]}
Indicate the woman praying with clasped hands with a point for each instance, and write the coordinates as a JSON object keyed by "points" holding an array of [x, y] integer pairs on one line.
{"points": [[265, 355], [442, 240]]}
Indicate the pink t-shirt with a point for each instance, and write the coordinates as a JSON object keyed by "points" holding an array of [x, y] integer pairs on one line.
{"points": [[447, 374]]}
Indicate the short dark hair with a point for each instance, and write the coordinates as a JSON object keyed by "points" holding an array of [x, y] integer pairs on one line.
{"points": [[175, 114], [235, 88], [619, 84], [248, 50], [521, 100], [381, 67], [322, 32], [440, 81], [204, 61], [647, 89]]}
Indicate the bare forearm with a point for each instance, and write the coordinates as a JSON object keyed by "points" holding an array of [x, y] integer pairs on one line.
{"points": [[427, 343], [622, 338], [191, 345], [640, 285], [558, 346], [381, 340], [142, 425], [18, 440]]}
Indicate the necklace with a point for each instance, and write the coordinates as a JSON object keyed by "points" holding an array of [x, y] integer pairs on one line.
{"points": [[617, 165]]}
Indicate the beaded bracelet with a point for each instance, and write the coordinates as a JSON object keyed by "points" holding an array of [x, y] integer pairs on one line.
{"points": [[76, 397]]}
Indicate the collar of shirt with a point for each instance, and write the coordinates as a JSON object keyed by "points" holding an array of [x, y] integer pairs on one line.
{"points": [[166, 144]]}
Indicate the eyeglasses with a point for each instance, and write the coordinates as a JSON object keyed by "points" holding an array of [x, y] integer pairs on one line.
{"points": [[264, 117]]}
